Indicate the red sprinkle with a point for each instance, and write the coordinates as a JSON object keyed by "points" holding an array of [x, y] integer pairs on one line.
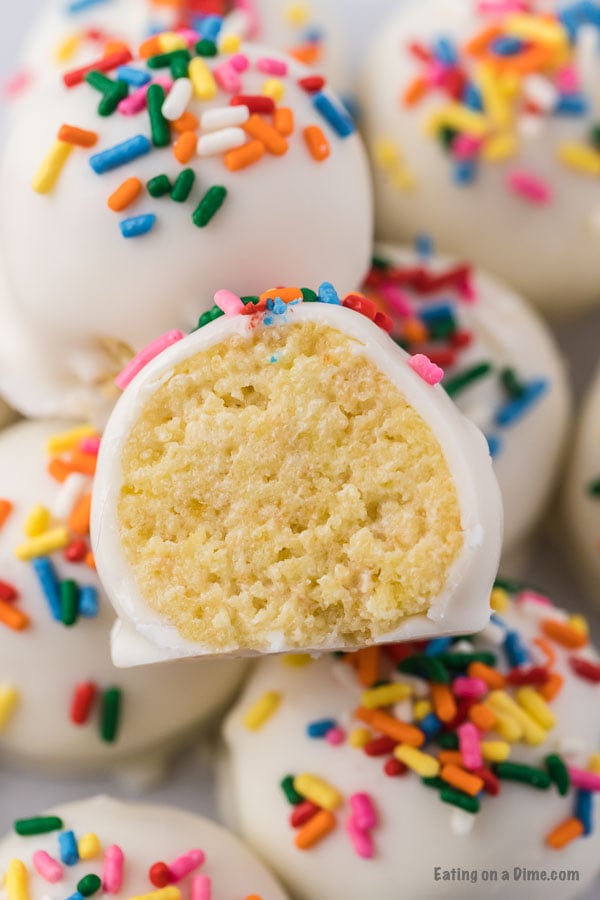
{"points": [[256, 103], [533, 675], [8, 593], [104, 64], [491, 784], [393, 767], [303, 813], [76, 551], [361, 305], [312, 83], [587, 670], [380, 746], [159, 874], [384, 321], [82, 702]]}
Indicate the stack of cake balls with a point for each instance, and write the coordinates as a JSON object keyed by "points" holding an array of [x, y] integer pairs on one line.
{"points": [[285, 424]]}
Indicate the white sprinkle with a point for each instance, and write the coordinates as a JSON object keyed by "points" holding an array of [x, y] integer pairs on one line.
{"points": [[540, 91], [73, 487], [420, 687], [221, 141], [177, 99], [404, 711], [530, 126], [462, 822], [224, 117], [588, 46], [494, 633], [346, 678], [237, 23]]}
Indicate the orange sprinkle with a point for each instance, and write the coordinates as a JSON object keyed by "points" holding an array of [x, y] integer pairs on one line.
{"points": [[450, 758], [564, 634], [90, 561], [13, 617], [125, 194], [283, 120], [495, 680], [482, 716], [567, 831], [79, 520], [59, 469], [187, 122], [531, 60], [111, 47], [463, 781], [185, 146], [315, 830], [552, 687], [415, 91], [6, 508], [480, 42], [444, 703], [244, 156], [259, 129], [391, 727], [547, 649], [149, 47], [286, 295], [414, 331], [309, 54], [83, 462], [78, 136], [367, 666], [317, 143]]}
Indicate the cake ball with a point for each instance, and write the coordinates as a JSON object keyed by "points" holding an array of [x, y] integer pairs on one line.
{"points": [[286, 477], [126, 850], [138, 186], [63, 706], [502, 367], [447, 767], [582, 492], [481, 120]]}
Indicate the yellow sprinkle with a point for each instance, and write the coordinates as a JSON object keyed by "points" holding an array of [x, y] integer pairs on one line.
{"points": [[387, 154], [88, 846], [9, 698], [501, 702], [580, 157], [459, 117], [494, 98], [495, 751], [37, 521], [594, 763], [496, 149], [67, 49], [533, 28], [580, 623], [230, 43], [402, 178], [499, 600], [205, 86], [297, 14], [422, 763], [386, 695], [259, 714], [274, 88], [69, 440], [49, 542], [297, 660], [506, 726], [16, 881], [48, 173], [359, 737], [317, 791], [169, 41], [167, 893], [535, 705], [421, 709]]}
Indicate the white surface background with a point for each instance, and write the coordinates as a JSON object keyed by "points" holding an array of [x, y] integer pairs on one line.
{"points": [[190, 784]]}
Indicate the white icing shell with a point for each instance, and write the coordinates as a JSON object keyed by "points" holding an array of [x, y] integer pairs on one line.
{"points": [[45, 662], [549, 253], [141, 636], [146, 835]]}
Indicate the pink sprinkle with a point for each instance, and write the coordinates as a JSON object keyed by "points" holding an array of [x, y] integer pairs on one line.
{"points": [[201, 888], [361, 840], [47, 867], [136, 102], [584, 780], [425, 369], [112, 873], [227, 78], [272, 66], [185, 864], [468, 743], [239, 61], [530, 188], [500, 7], [396, 299], [466, 147], [229, 302], [248, 7], [363, 811], [467, 289], [16, 84], [471, 688], [189, 35], [435, 73], [145, 356], [533, 597], [335, 736], [90, 445], [567, 80]]}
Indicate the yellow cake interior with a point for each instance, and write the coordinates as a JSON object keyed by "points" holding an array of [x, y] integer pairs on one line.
{"points": [[278, 490]]}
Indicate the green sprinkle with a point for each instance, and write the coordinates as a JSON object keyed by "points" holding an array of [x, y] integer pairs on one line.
{"points": [[215, 313], [88, 885], [511, 383], [559, 773], [457, 798], [99, 81], [309, 296], [69, 596], [595, 136], [430, 667], [113, 92], [159, 186], [183, 185], [448, 741], [447, 136], [508, 585], [180, 64], [209, 205], [594, 488], [465, 379], [287, 786], [163, 60], [435, 782], [442, 329], [206, 48], [111, 712], [378, 262], [159, 126], [463, 660], [536, 778], [38, 825], [254, 299]]}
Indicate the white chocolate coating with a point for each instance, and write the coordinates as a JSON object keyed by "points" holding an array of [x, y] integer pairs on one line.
{"points": [[45, 662], [547, 252], [506, 333], [415, 832], [582, 508], [145, 834], [92, 296], [141, 636]]}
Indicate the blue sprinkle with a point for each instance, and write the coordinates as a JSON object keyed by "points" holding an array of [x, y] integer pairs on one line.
{"points": [[88, 601], [328, 294], [514, 410], [320, 728], [494, 445], [515, 649], [472, 97], [120, 154], [210, 28], [137, 225], [577, 14], [464, 171], [445, 51], [77, 6], [424, 246], [437, 312], [134, 77], [313, 35], [334, 115], [76, 896], [498, 620], [571, 105], [584, 810], [438, 645], [279, 307], [507, 46], [430, 725], [67, 846], [274, 359], [43, 568]]}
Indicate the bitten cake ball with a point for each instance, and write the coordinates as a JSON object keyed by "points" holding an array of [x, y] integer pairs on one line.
{"points": [[63, 706], [582, 495], [451, 768], [501, 364], [482, 123], [287, 478], [101, 846], [137, 186]]}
